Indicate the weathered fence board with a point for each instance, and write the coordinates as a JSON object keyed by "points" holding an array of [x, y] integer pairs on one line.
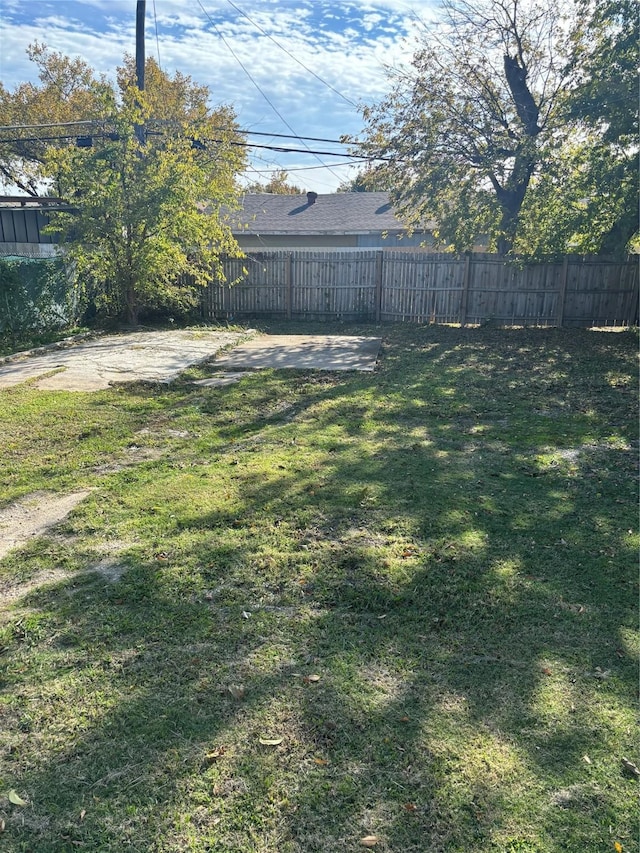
{"points": [[389, 285]]}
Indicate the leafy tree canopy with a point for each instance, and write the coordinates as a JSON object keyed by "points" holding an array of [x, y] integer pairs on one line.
{"points": [[369, 180], [277, 184], [501, 126], [68, 91], [143, 226]]}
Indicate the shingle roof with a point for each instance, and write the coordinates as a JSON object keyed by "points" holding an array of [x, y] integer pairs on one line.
{"points": [[335, 213]]}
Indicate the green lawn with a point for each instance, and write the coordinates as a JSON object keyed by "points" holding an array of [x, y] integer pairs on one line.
{"points": [[315, 607]]}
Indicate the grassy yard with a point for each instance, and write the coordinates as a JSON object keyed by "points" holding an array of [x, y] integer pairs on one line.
{"points": [[313, 609]]}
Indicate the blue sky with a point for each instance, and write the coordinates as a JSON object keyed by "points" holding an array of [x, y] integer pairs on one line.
{"points": [[346, 44]]}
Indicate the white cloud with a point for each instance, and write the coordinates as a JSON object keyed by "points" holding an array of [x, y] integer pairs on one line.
{"points": [[347, 44]]}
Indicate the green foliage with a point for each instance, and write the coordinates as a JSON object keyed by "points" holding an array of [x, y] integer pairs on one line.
{"points": [[605, 101], [581, 202], [516, 121], [462, 131], [35, 296], [68, 92], [143, 229], [139, 234], [278, 184], [368, 180]]}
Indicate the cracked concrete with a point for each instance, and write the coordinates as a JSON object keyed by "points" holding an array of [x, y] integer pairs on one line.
{"points": [[162, 356], [134, 357]]}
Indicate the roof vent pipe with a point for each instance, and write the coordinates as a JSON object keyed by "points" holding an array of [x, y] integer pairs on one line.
{"points": [[311, 197]]}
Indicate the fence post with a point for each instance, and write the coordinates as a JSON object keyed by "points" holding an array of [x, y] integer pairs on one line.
{"points": [[635, 298], [564, 277], [378, 279], [288, 281], [465, 289]]}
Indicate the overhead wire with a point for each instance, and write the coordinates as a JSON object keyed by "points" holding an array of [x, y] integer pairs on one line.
{"points": [[288, 52], [235, 143], [241, 131], [301, 168], [255, 83], [155, 20]]}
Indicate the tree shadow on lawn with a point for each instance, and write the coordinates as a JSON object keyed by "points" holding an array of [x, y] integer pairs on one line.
{"points": [[457, 651]]}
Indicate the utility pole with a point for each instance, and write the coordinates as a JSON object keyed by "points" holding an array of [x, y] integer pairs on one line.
{"points": [[140, 13]]}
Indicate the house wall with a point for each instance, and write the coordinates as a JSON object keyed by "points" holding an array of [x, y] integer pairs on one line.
{"points": [[295, 241], [255, 242], [394, 241], [22, 233]]}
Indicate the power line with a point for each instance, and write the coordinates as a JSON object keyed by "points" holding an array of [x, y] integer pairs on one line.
{"points": [[279, 148], [240, 131], [293, 136], [288, 169], [246, 71], [52, 124], [288, 52], [155, 19]]}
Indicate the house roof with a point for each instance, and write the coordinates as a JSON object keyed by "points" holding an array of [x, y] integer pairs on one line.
{"points": [[28, 202], [334, 213]]}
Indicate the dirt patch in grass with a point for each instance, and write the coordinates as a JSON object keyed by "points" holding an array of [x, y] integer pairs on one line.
{"points": [[11, 592], [34, 515]]}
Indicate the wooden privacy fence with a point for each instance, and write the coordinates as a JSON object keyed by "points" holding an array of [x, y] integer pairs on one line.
{"points": [[387, 285]]}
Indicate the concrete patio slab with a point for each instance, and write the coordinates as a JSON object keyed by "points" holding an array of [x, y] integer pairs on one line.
{"points": [[133, 357], [318, 352]]}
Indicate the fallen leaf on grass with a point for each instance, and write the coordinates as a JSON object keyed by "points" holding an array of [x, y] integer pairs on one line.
{"points": [[410, 807], [630, 768], [546, 670], [369, 841], [271, 741], [311, 679], [16, 799], [321, 761], [215, 754], [409, 552], [83, 814], [237, 691], [618, 847], [586, 759], [2, 824]]}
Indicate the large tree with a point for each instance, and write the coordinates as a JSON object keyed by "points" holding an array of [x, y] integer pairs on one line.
{"points": [[143, 227], [606, 102], [584, 196], [463, 131], [68, 93]]}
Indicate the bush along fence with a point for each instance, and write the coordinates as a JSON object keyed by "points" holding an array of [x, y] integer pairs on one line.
{"points": [[36, 295], [423, 287]]}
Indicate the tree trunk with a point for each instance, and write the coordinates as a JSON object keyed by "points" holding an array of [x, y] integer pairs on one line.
{"points": [[511, 198], [131, 303]]}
